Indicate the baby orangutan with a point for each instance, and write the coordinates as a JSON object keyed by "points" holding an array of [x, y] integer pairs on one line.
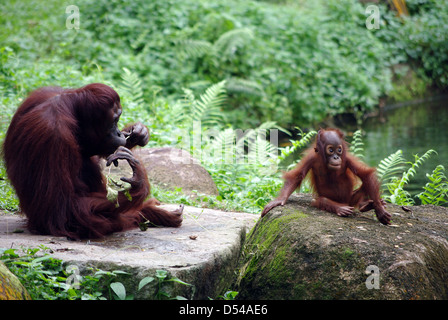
{"points": [[334, 173]]}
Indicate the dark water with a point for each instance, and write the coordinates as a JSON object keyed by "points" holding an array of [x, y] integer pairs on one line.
{"points": [[414, 128]]}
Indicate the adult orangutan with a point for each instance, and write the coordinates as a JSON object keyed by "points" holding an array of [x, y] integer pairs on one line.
{"points": [[52, 151], [334, 173]]}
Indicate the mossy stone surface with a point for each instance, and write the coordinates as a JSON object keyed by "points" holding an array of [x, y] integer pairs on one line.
{"points": [[299, 252]]}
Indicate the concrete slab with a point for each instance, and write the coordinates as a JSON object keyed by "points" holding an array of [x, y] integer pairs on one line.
{"points": [[209, 239]]}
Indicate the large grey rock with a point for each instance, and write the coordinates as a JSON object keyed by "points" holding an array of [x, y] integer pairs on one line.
{"points": [[203, 252], [299, 252], [170, 168]]}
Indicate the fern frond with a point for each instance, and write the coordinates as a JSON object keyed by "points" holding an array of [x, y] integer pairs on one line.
{"points": [[417, 163], [179, 115], [194, 49], [269, 125], [419, 160], [391, 166], [436, 190], [398, 195], [357, 145], [188, 96], [229, 42], [207, 108], [244, 86], [396, 187], [141, 40], [296, 145], [131, 87], [249, 147]]}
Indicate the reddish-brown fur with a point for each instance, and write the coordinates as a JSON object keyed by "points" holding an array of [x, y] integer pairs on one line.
{"points": [[52, 151], [334, 189]]}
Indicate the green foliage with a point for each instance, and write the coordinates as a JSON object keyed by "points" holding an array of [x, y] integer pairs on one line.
{"points": [[243, 165], [8, 197], [391, 166], [419, 40], [226, 64], [224, 48], [436, 190], [286, 63], [131, 87], [46, 278], [162, 277], [295, 146], [426, 38], [120, 293], [398, 195], [357, 145], [131, 92], [408, 85], [236, 64], [206, 109], [229, 295]]}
